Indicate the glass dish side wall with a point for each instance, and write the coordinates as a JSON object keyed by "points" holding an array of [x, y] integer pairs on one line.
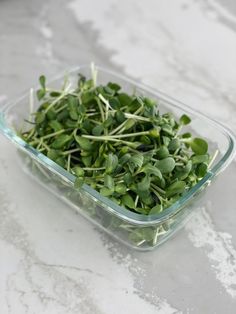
{"points": [[137, 236]]}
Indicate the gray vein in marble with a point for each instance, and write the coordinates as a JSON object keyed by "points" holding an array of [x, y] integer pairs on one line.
{"points": [[123, 255], [81, 300], [228, 6], [68, 267]]}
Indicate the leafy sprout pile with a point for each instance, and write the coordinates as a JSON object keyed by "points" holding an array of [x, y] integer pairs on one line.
{"points": [[118, 143]]}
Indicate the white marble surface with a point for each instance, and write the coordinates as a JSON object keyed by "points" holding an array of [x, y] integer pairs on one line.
{"points": [[52, 260]]}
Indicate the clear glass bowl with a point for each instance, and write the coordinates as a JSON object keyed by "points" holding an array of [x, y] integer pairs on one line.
{"points": [[138, 231]]}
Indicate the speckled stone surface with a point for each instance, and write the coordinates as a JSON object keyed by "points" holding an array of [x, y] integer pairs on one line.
{"points": [[51, 259]]}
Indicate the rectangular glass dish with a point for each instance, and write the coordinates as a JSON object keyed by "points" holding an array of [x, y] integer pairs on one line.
{"points": [[136, 230]]}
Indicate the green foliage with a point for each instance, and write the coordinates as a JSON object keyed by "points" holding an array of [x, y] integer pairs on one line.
{"points": [[199, 146], [184, 119], [119, 144]]}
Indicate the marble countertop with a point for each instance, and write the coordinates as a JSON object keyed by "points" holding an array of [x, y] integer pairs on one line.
{"points": [[51, 259]]}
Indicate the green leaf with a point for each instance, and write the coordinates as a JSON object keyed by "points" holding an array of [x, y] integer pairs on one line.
{"points": [[198, 159], [155, 132], [84, 143], [61, 141], [114, 103], [186, 135], [120, 188], [135, 104], [147, 199], [166, 165], [88, 84], [87, 97], [42, 81], [166, 140], [81, 80], [128, 201], [124, 159], [87, 126], [150, 102], [71, 123], [53, 154], [144, 184], [111, 163], [98, 130], [136, 161], [114, 86], [201, 170], [79, 172], [108, 122], [55, 94], [141, 210], [72, 107], [106, 191], [41, 92], [184, 119], [108, 91], [120, 117], [61, 161], [79, 181], [156, 209], [81, 109], [109, 182], [174, 144], [142, 234], [51, 114], [184, 172], [176, 188], [149, 169], [124, 99], [87, 160], [128, 178], [63, 115], [199, 146], [39, 117], [162, 152], [146, 140], [136, 236], [55, 125], [129, 124], [167, 129]]}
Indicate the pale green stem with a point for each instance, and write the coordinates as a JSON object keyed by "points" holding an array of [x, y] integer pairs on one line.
{"points": [[120, 127], [53, 134], [30, 134], [109, 137], [180, 158], [130, 115], [94, 73], [106, 102], [213, 159], [68, 162], [71, 151], [47, 136], [61, 108], [101, 109], [94, 169], [45, 146], [31, 103], [158, 189]]}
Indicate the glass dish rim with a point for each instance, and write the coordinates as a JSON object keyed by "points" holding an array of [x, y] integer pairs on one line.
{"points": [[110, 206]]}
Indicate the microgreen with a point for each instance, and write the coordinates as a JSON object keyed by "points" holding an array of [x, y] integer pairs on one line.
{"points": [[119, 144]]}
